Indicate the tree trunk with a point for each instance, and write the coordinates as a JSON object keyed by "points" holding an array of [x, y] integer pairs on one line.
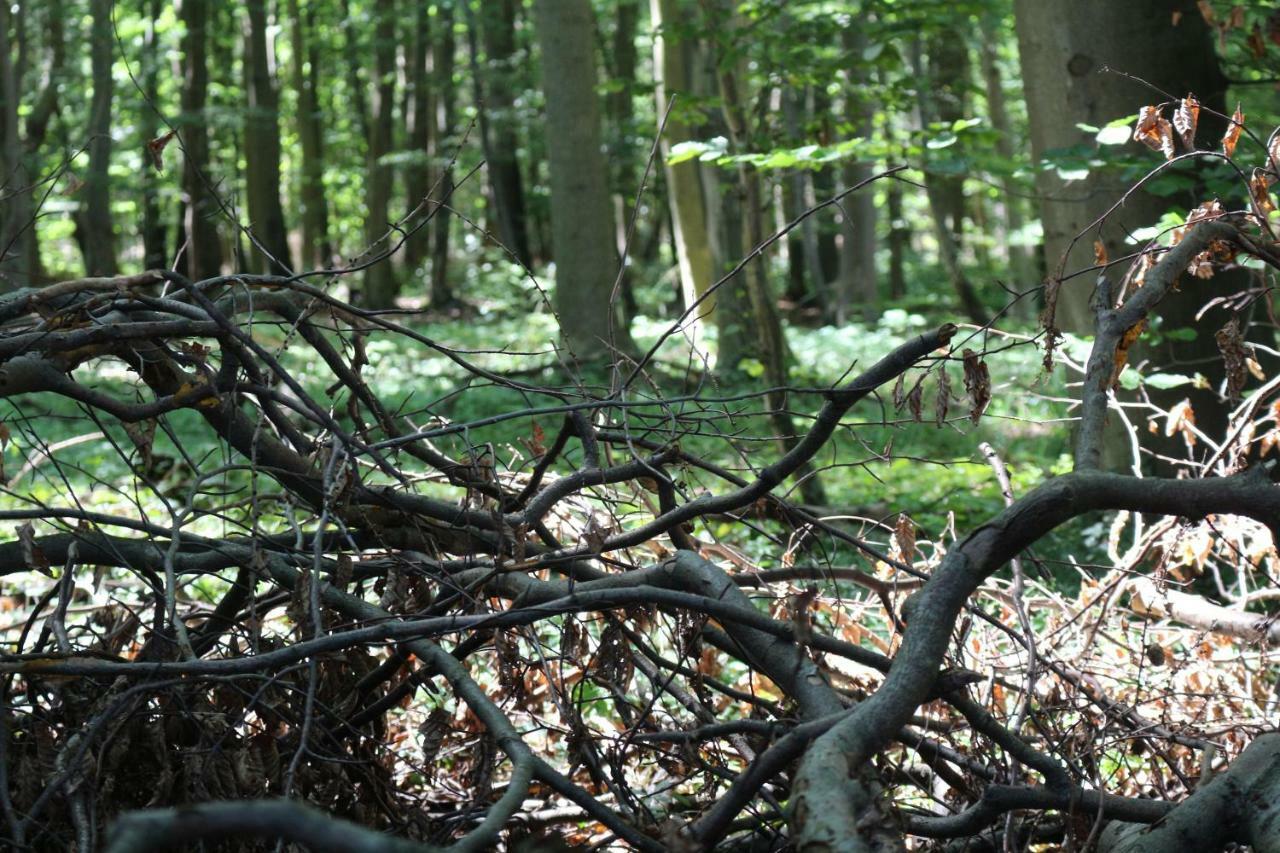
{"points": [[1063, 51], [899, 241], [581, 216], [419, 119], [857, 283], [262, 148], [498, 29], [380, 287], [155, 255], [317, 251], [446, 94], [1021, 265], [203, 255], [623, 153], [94, 220], [946, 192], [800, 195], [690, 228]]}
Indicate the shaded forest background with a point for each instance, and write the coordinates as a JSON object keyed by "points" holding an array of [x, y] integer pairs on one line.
{"points": [[320, 316]]}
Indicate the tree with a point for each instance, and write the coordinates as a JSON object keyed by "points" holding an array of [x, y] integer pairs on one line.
{"points": [[691, 231], [262, 146], [96, 222], [1063, 60], [305, 77], [202, 251], [443, 49], [499, 125], [581, 215], [380, 285]]}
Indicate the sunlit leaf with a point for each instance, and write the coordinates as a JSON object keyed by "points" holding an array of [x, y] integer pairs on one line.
{"points": [[1232, 135], [1185, 119]]}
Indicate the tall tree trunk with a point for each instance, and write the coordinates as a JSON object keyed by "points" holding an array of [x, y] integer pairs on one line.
{"points": [[768, 343], [380, 287], [800, 195], [313, 204], [155, 255], [1021, 265], [1063, 53], [690, 228], [444, 48], [822, 185], [946, 192], [497, 27], [203, 255], [619, 106], [95, 220], [419, 120], [581, 216], [19, 243], [262, 147], [857, 283], [899, 241]]}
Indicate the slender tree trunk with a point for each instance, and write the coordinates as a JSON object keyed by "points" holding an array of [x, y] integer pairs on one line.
{"points": [[497, 27], [444, 48], [581, 216], [155, 255], [690, 226], [380, 288], [203, 255], [95, 219], [262, 147], [313, 205], [623, 152], [768, 344], [945, 192], [1021, 265], [800, 194], [899, 240], [419, 118]]}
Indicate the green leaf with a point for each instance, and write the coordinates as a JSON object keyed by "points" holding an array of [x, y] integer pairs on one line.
{"points": [[943, 140], [1165, 381], [1113, 135]]}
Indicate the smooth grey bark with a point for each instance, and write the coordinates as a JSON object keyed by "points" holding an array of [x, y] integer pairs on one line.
{"points": [[1240, 805], [1063, 50], [95, 220], [1063, 53], [380, 286], [203, 256], [313, 204], [262, 148], [581, 215]]}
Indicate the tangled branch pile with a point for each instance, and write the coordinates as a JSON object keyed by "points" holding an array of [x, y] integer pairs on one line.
{"points": [[354, 627]]}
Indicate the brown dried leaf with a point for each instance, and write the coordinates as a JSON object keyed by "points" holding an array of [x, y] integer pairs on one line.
{"points": [[1181, 418], [977, 383], [899, 392], [155, 148], [1261, 197], [1234, 357], [942, 404], [915, 402], [1154, 131], [32, 554], [1185, 119], [1232, 136], [904, 538], [1127, 340], [1099, 253], [1206, 10]]}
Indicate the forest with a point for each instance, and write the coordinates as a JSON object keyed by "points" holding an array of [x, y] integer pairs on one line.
{"points": [[658, 425]]}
